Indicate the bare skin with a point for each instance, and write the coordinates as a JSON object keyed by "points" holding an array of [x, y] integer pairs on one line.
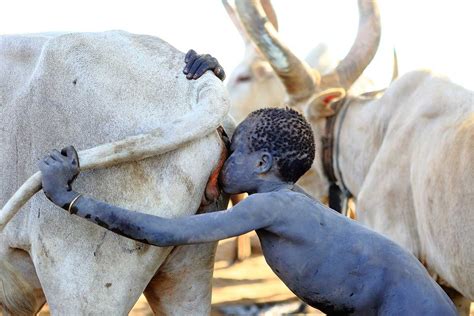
{"points": [[197, 65], [326, 259]]}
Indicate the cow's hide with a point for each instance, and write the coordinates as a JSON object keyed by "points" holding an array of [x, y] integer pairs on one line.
{"points": [[85, 90]]}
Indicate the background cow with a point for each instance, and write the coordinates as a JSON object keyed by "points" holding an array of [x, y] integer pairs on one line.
{"points": [[253, 84], [86, 90], [406, 155]]}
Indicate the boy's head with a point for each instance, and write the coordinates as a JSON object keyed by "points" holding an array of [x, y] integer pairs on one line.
{"points": [[269, 143]]}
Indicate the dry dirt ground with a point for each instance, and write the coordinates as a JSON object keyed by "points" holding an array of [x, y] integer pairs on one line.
{"points": [[243, 288]]}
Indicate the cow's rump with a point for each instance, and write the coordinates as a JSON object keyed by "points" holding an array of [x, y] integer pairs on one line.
{"points": [[86, 90]]}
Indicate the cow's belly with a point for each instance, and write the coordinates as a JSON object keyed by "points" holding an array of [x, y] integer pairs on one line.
{"points": [[423, 201], [81, 265], [443, 196]]}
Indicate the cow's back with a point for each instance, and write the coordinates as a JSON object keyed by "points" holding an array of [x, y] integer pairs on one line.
{"points": [[86, 90]]}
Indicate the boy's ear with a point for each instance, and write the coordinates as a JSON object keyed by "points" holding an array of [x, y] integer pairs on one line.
{"points": [[265, 162], [320, 105]]}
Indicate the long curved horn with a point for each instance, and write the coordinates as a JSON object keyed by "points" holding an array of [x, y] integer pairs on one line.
{"points": [[270, 12], [235, 19], [297, 77], [267, 7], [362, 51]]}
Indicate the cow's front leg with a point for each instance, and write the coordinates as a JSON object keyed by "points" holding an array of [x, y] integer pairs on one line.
{"points": [[20, 291]]}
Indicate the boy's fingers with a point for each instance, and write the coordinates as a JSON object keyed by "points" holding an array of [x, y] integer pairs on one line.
{"points": [[219, 72], [56, 155], [200, 71], [42, 163], [49, 161], [64, 151], [189, 54], [190, 63], [194, 67], [72, 155]]}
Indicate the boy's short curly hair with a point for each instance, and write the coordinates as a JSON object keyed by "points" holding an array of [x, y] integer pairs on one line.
{"points": [[285, 134]]}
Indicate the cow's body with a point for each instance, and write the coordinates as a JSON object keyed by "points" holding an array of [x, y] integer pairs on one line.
{"points": [[406, 154], [86, 90], [408, 159]]}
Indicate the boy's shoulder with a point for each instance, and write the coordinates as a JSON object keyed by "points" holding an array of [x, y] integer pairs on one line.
{"points": [[283, 197]]}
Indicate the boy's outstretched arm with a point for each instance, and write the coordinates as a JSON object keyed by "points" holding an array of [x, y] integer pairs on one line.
{"points": [[59, 169]]}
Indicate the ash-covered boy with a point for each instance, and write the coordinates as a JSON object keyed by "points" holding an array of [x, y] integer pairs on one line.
{"points": [[329, 261]]}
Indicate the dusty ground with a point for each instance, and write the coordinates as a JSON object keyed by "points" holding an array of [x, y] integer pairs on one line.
{"points": [[245, 288]]}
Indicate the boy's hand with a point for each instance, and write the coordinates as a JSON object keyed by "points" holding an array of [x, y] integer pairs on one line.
{"points": [[197, 65], [59, 170]]}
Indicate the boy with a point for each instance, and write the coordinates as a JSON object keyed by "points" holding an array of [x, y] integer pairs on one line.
{"points": [[329, 261]]}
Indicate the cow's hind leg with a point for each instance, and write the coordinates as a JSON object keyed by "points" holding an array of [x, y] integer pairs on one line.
{"points": [[20, 290], [183, 284]]}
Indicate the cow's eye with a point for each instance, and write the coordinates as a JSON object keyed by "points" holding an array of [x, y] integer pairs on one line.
{"points": [[243, 78]]}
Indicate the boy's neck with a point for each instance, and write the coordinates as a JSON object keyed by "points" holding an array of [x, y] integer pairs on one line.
{"points": [[271, 185]]}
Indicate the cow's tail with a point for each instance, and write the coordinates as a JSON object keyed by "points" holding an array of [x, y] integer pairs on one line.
{"points": [[16, 295]]}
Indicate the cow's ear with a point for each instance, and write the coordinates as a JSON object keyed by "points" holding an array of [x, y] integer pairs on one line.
{"points": [[262, 70], [321, 104]]}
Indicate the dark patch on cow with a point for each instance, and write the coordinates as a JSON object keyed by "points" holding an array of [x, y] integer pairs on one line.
{"points": [[139, 248], [99, 245]]}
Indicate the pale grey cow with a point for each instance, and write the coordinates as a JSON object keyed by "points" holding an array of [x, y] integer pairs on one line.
{"points": [[127, 94]]}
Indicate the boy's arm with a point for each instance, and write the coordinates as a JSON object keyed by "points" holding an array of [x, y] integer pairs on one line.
{"points": [[159, 231], [59, 171]]}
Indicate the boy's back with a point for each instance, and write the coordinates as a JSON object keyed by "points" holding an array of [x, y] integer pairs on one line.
{"points": [[339, 266]]}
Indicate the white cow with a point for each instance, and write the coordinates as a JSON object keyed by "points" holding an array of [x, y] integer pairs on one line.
{"points": [[91, 89], [407, 155]]}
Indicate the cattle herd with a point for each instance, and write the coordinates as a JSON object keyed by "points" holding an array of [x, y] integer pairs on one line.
{"points": [[148, 139]]}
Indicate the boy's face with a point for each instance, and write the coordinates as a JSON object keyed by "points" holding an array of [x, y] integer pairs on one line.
{"points": [[239, 172]]}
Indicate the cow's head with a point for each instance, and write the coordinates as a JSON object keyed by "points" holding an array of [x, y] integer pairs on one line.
{"points": [[253, 83], [307, 89]]}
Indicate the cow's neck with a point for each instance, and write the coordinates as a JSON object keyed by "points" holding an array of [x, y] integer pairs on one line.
{"points": [[361, 134]]}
